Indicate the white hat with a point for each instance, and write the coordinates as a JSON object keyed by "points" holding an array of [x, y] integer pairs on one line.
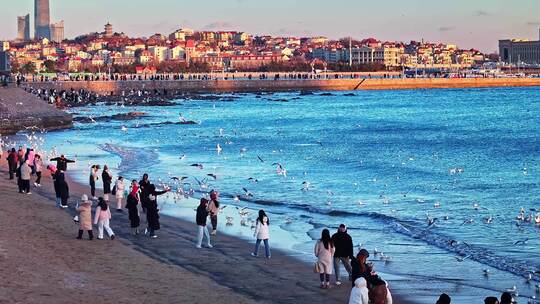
{"points": [[84, 199]]}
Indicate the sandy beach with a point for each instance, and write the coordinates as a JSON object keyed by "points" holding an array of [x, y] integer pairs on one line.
{"points": [[46, 264]]}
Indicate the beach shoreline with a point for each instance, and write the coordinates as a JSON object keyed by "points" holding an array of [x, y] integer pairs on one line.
{"points": [[283, 279]]}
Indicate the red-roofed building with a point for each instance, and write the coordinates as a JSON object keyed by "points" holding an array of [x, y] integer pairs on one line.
{"points": [[145, 70]]}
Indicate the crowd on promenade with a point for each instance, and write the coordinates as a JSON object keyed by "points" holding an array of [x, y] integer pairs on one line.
{"points": [[331, 251], [20, 79]]}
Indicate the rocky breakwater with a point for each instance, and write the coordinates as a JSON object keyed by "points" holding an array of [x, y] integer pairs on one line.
{"points": [[20, 110]]}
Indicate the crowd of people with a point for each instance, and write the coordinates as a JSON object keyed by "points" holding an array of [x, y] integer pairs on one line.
{"points": [[331, 251]]}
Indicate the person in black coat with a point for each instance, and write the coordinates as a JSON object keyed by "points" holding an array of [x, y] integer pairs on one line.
{"points": [[12, 162], [152, 211], [106, 177], [63, 188], [344, 249], [144, 184], [131, 205], [359, 266], [61, 162], [202, 215]]}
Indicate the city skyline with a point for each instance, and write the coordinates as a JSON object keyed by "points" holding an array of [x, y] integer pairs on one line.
{"points": [[470, 25]]}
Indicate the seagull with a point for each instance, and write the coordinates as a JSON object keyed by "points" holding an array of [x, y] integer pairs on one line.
{"points": [[218, 149], [437, 205], [521, 242], [260, 158], [467, 221], [248, 194], [182, 157], [212, 176], [488, 219], [461, 259], [305, 186], [200, 166], [486, 272], [179, 179], [124, 128], [251, 179]]}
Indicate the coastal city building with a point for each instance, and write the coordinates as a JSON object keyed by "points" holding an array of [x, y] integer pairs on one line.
{"points": [[520, 51], [23, 28], [57, 31], [42, 19]]}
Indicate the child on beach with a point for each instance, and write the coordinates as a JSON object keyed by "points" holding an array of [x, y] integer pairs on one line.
{"points": [[213, 210], [202, 214], [359, 293], [133, 200], [106, 177], [102, 217], [324, 251], [262, 233], [119, 188], [38, 167], [85, 217]]}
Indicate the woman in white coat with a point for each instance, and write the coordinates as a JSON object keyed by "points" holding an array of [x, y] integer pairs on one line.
{"points": [[359, 293], [119, 188], [262, 233], [324, 251]]}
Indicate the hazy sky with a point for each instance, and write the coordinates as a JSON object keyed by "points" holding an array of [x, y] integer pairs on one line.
{"points": [[468, 23]]}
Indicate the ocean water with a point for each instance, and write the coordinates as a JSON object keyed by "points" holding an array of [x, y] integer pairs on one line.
{"points": [[382, 162]]}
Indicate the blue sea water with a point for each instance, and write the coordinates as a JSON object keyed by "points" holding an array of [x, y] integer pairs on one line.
{"points": [[381, 162]]}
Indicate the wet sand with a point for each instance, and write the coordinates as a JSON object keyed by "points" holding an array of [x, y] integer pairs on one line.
{"points": [[46, 264]]}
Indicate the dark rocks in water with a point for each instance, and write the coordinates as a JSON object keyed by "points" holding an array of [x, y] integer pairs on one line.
{"points": [[349, 94], [326, 94], [187, 122], [302, 93], [121, 116]]}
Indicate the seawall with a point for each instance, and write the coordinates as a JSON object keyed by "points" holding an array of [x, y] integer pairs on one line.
{"points": [[20, 110], [116, 87]]}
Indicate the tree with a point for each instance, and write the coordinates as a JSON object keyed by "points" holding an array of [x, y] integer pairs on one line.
{"points": [[50, 66], [28, 68]]}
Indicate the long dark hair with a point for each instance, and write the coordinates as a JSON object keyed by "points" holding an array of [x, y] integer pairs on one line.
{"points": [[262, 214], [102, 204], [326, 239]]}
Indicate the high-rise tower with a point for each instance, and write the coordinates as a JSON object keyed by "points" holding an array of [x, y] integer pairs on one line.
{"points": [[42, 19], [23, 28]]}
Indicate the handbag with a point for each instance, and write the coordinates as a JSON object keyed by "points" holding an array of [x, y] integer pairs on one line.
{"points": [[317, 268], [113, 192]]}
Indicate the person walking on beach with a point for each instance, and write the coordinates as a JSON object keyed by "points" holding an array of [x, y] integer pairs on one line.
{"points": [[262, 233], [133, 200], [38, 167], [61, 162], [200, 219], [30, 156], [344, 249], [213, 210], [92, 179], [324, 251], [25, 172], [12, 160], [119, 188], [144, 184], [106, 177], [63, 188], [152, 211], [359, 266], [85, 217], [359, 293], [102, 217]]}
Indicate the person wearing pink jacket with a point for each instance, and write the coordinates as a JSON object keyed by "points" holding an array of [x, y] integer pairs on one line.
{"points": [[102, 217]]}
